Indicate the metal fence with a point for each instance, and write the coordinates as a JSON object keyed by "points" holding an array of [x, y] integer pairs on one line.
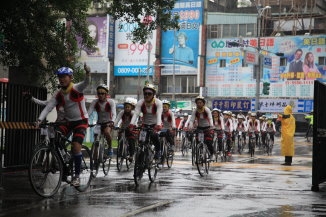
{"points": [[319, 138], [17, 137]]}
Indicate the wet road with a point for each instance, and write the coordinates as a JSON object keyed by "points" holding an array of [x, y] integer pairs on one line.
{"points": [[245, 186]]}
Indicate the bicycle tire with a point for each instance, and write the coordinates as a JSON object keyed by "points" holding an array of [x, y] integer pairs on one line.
{"points": [[240, 145], [193, 151], [45, 172], [200, 161], [120, 155], [252, 149], [163, 152], [169, 159], [106, 164], [215, 146], [138, 167], [184, 148], [151, 165], [86, 168], [95, 158]]}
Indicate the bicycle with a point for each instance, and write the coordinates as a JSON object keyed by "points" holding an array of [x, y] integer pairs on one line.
{"points": [[269, 143], [252, 143], [185, 143], [123, 150], [241, 142], [99, 151], [53, 163], [144, 158], [202, 154], [218, 137], [192, 136], [166, 153]]}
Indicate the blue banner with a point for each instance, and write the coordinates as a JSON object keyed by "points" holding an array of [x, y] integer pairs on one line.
{"points": [[232, 104]]}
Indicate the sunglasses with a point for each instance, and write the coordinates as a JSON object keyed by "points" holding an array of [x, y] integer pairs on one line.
{"points": [[148, 93], [99, 93]]}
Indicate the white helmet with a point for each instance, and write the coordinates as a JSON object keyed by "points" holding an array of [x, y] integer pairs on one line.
{"points": [[166, 102], [130, 101]]}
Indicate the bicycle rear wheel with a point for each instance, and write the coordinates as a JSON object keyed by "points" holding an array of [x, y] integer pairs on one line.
{"points": [[184, 146], [45, 172], [86, 168], [252, 147]]}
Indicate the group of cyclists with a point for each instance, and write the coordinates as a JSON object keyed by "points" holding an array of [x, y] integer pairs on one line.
{"points": [[150, 111], [228, 126]]}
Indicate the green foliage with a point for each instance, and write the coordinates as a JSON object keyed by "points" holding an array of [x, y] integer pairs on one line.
{"points": [[40, 36], [136, 10]]}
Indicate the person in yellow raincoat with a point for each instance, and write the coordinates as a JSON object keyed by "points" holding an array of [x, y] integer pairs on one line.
{"points": [[287, 135]]}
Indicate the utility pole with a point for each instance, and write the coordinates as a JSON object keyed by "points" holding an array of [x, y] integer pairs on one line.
{"points": [[259, 67]]}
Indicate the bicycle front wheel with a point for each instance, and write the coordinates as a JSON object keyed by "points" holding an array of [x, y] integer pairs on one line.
{"points": [[201, 160], [138, 167], [120, 155], [45, 172], [169, 159], [193, 151], [184, 146], [86, 168], [95, 150]]}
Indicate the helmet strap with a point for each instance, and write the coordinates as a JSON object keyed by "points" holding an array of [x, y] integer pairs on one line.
{"points": [[150, 103], [67, 89]]}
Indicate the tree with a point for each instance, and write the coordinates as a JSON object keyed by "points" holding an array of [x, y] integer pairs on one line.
{"points": [[148, 14], [39, 36]]}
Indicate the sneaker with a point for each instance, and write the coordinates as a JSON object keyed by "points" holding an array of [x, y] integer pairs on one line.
{"points": [[286, 164], [131, 159], [110, 153], [75, 182]]}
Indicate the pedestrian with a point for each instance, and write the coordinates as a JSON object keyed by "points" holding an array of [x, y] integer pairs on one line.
{"points": [[287, 135]]}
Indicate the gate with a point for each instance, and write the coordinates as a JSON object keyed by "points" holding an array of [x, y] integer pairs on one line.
{"points": [[17, 137], [319, 136]]}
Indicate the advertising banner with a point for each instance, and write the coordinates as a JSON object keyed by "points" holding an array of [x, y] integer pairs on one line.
{"points": [[96, 58], [132, 59], [179, 49], [292, 75]]}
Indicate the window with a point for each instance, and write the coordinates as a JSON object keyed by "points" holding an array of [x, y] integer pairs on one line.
{"points": [[183, 84], [228, 30], [222, 63], [283, 61], [322, 61]]}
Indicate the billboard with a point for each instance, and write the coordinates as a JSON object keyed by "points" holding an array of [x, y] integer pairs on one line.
{"points": [[180, 48], [227, 76], [96, 58], [132, 59]]}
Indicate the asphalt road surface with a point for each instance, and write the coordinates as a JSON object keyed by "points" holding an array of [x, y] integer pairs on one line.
{"points": [[245, 186]]}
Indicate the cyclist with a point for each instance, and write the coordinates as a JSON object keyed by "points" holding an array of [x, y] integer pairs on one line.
{"points": [[262, 122], [70, 96], [253, 126], [310, 118], [228, 130], [241, 126], [168, 123], [106, 114], [269, 127], [123, 120], [151, 109], [218, 122], [204, 119]]}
